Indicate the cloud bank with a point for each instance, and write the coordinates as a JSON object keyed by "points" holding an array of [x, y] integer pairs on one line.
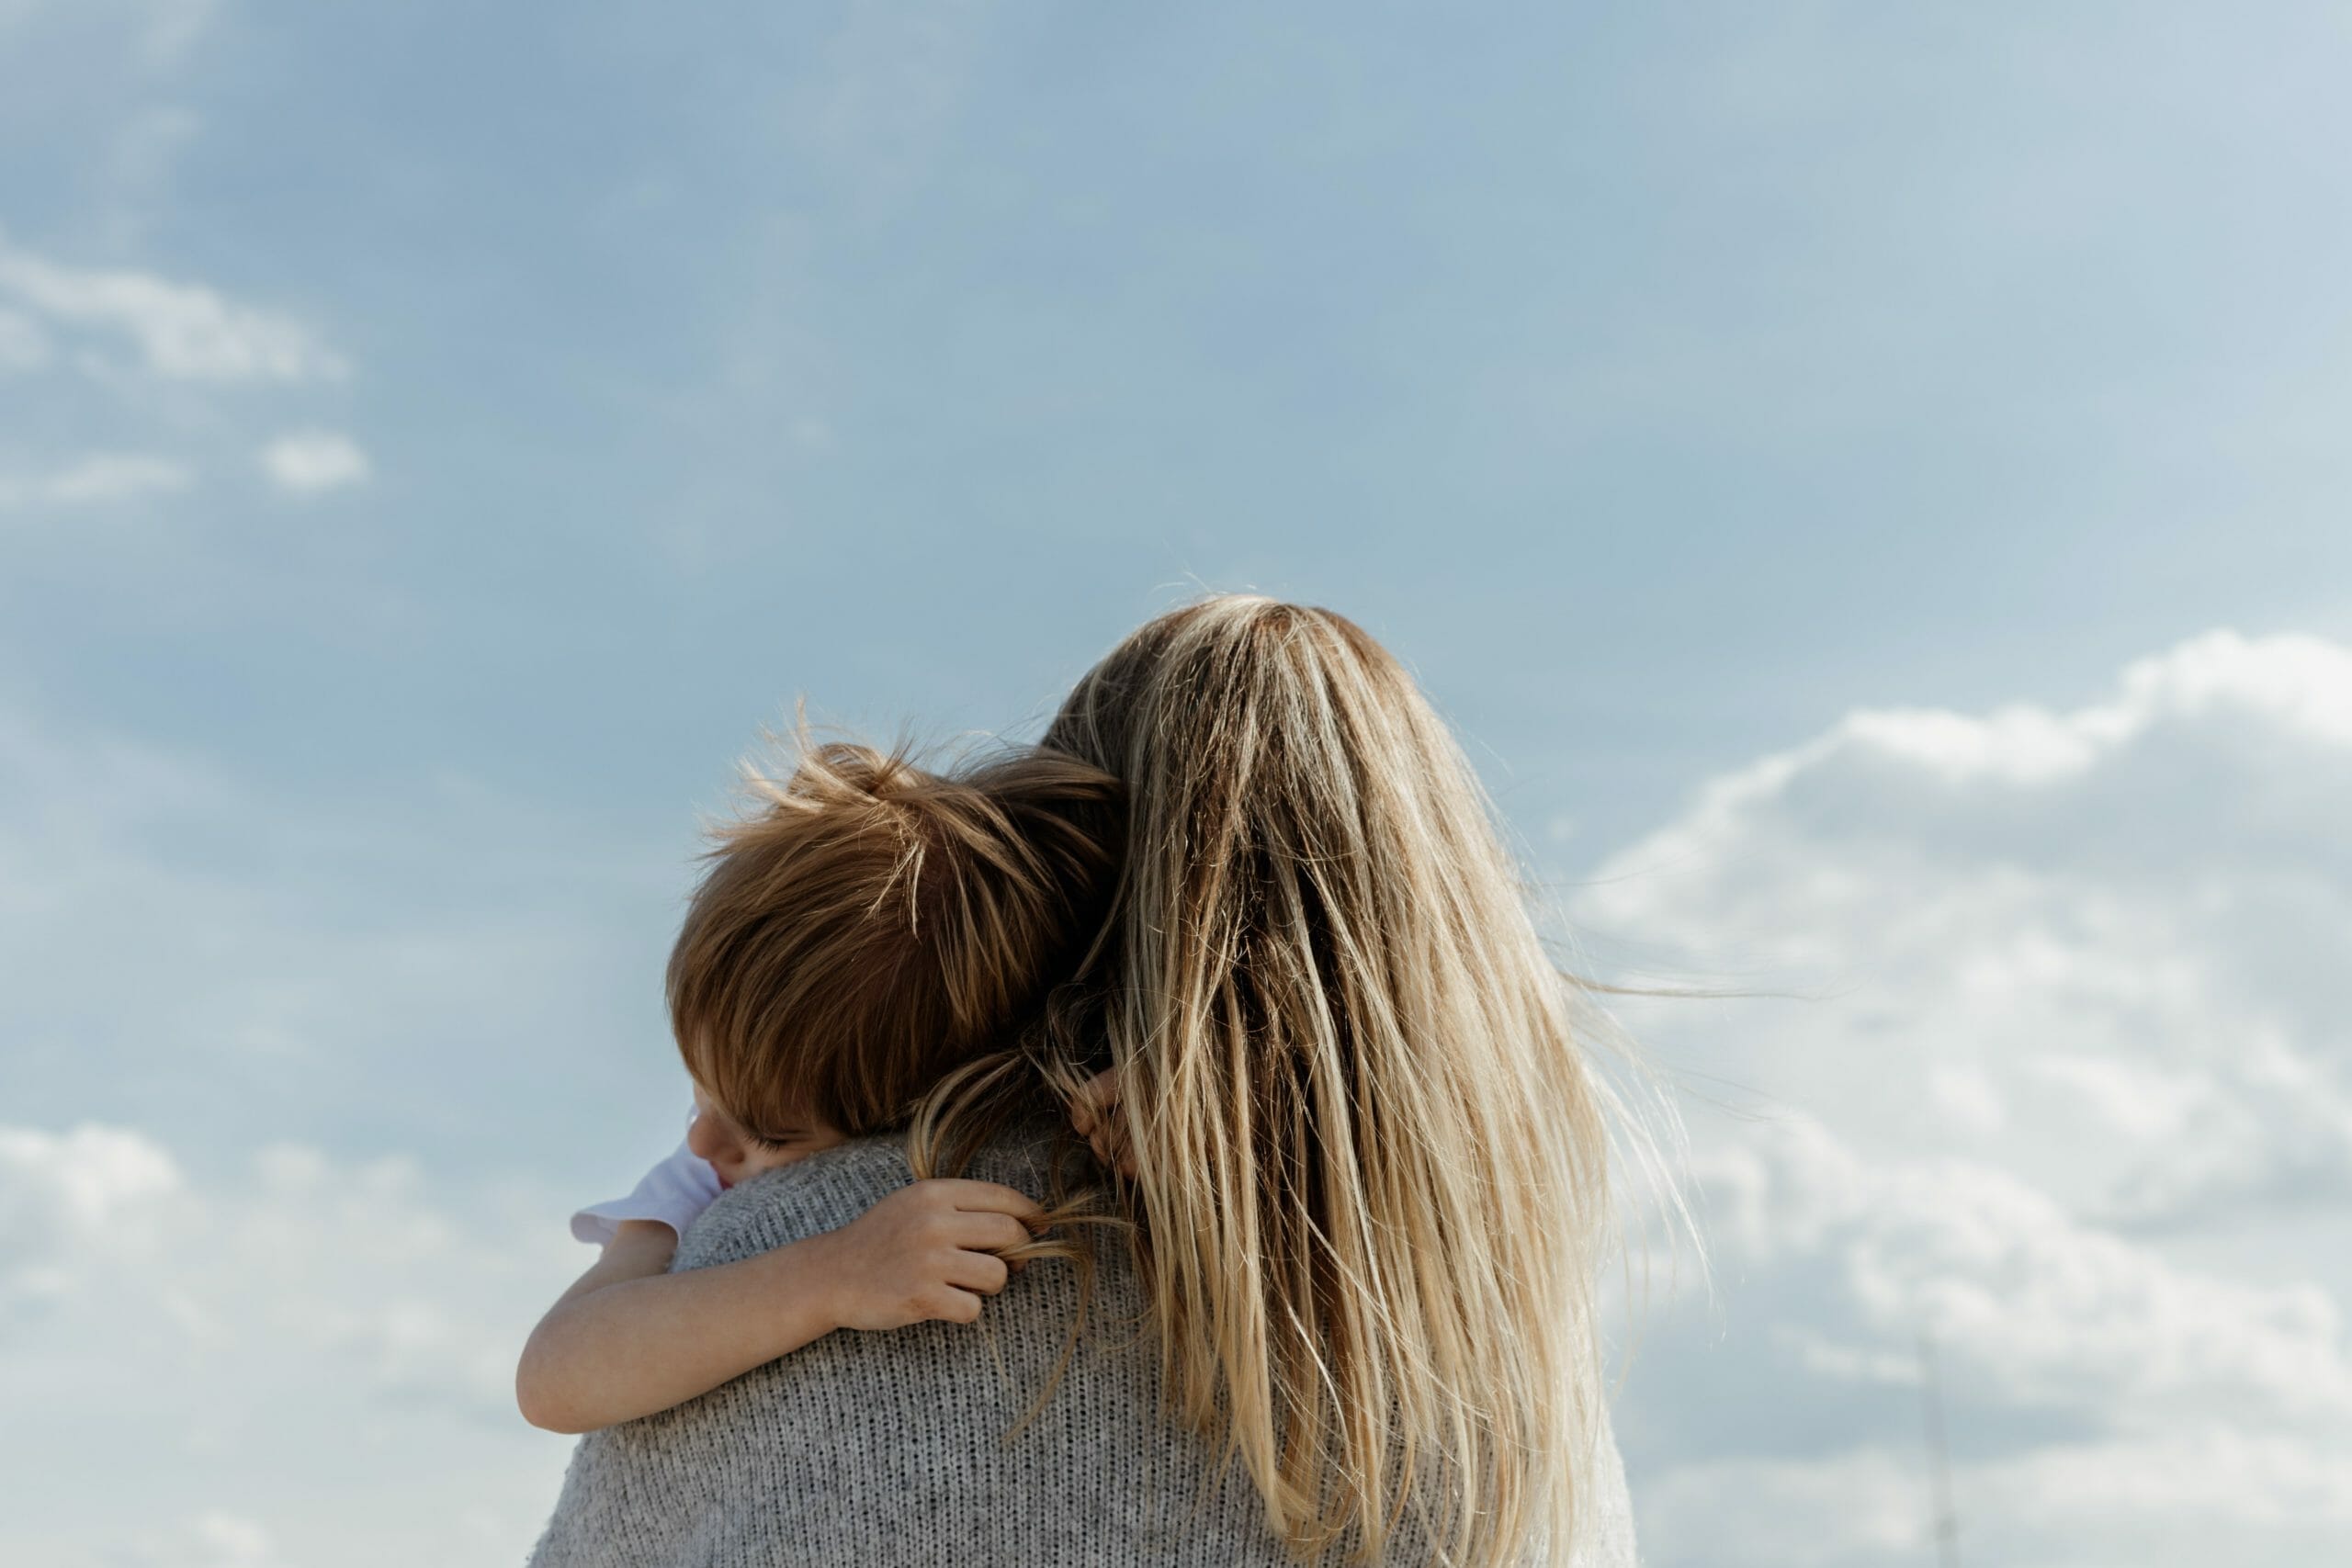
{"points": [[306, 1359], [2074, 1102]]}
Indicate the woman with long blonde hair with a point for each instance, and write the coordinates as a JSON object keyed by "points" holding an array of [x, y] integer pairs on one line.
{"points": [[1364, 1153]]}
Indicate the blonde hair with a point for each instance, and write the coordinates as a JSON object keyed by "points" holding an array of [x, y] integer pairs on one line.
{"points": [[870, 924], [1370, 1163]]}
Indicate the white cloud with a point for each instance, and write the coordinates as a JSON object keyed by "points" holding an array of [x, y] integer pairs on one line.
{"points": [[311, 462], [2135, 910], [192, 352], [181, 330], [96, 480], [347, 1262], [2069, 1092], [65, 1197]]}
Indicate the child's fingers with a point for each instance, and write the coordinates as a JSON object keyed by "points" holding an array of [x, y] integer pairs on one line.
{"points": [[953, 1305], [979, 1271], [990, 1232], [986, 1197]]}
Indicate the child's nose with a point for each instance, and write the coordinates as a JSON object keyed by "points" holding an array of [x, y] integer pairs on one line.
{"points": [[705, 1138]]}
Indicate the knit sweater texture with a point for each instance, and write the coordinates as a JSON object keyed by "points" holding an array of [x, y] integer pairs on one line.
{"points": [[891, 1447]]}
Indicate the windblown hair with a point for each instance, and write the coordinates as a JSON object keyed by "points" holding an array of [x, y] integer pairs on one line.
{"points": [[871, 924], [1371, 1162]]}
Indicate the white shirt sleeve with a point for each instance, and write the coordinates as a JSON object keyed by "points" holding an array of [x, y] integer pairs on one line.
{"points": [[672, 1192]]}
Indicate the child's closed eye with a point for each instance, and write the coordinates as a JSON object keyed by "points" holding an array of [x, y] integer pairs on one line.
{"points": [[796, 1141]]}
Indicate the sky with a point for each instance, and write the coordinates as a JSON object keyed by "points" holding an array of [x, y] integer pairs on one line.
{"points": [[1867, 482]]}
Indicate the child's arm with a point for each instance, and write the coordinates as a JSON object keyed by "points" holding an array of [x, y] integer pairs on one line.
{"points": [[628, 1339]]}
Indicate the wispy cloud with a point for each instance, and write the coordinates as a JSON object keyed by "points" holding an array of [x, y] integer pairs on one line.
{"points": [[96, 480], [193, 354], [308, 463], [179, 331]]}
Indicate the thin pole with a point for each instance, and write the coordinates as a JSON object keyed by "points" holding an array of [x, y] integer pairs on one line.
{"points": [[1947, 1518]]}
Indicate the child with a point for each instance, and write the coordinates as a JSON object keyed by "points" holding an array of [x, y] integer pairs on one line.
{"points": [[869, 929]]}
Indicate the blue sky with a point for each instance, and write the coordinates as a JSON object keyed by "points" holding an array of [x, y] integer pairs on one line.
{"points": [[433, 440]]}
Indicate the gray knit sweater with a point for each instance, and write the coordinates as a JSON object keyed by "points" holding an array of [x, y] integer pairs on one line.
{"points": [[888, 1447]]}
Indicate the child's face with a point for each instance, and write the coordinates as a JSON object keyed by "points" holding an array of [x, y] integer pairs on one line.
{"points": [[737, 1155]]}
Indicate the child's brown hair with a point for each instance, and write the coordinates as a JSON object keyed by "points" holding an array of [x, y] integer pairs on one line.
{"points": [[874, 924]]}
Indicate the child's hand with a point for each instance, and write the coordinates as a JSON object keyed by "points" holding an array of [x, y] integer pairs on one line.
{"points": [[1095, 1114], [926, 1251]]}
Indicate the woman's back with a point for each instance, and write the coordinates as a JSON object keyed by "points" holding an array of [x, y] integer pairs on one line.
{"points": [[891, 1447]]}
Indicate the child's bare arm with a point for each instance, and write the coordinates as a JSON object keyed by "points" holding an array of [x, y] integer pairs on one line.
{"points": [[628, 1339]]}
